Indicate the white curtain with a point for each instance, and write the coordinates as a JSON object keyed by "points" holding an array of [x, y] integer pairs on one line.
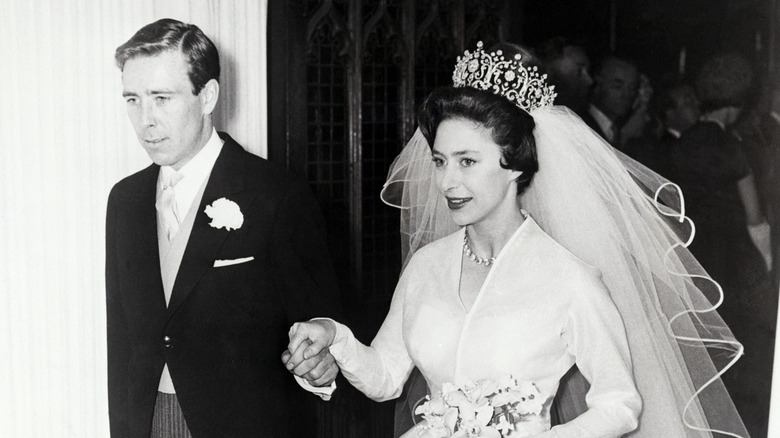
{"points": [[64, 141]]}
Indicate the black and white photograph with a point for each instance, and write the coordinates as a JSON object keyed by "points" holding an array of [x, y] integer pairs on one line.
{"points": [[389, 218]]}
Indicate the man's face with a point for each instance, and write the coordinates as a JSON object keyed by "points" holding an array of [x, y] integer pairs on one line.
{"points": [[571, 75], [172, 123], [616, 89]]}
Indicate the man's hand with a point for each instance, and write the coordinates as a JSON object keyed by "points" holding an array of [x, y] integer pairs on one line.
{"points": [[324, 370], [307, 353], [634, 127]]}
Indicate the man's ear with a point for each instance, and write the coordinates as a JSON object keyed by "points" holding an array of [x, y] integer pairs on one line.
{"points": [[209, 95]]}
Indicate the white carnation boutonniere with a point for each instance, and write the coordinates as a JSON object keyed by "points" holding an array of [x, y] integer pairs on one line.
{"points": [[225, 213]]}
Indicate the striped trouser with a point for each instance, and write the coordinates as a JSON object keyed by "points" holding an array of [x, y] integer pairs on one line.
{"points": [[168, 421]]}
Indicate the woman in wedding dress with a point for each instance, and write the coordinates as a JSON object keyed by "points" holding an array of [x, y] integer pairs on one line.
{"points": [[530, 273]]}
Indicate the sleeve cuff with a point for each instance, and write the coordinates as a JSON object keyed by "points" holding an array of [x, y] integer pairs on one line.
{"points": [[324, 392], [343, 334]]}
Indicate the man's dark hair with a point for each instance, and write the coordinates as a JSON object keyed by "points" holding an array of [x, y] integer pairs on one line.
{"points": [[511, 128], [168, 34], [551, 49], [612, 59]]}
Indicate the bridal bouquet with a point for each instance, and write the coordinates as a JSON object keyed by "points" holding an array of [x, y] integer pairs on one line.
{"points": [[486, 408]]}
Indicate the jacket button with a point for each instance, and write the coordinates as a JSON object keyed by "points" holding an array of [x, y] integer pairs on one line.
{"points": [[167, 342]]}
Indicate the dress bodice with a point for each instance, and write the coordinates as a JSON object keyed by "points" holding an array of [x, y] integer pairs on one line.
{"points": [[539, 311], [514, 327]]}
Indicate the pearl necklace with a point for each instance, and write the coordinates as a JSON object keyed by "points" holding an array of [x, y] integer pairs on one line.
{"points": [[470, 254]]}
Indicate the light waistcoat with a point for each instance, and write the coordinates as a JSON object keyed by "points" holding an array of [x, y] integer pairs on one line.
{"points": [[189, 192], [171, 254]]}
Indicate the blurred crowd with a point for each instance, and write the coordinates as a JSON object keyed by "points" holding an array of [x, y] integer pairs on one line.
{"points": [[716, 133]]}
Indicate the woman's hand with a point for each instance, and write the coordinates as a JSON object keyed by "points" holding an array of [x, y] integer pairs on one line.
{"points": [[307, 353]]}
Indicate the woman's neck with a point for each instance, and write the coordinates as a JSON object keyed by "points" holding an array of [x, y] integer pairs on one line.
{"points": [[487, 238]]}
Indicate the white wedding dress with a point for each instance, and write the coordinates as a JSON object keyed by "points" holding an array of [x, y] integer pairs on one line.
{"points": [[543, 308], [539, 311]]}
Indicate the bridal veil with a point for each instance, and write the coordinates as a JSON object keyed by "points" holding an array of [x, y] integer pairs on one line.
{"points": [[630, 223]]}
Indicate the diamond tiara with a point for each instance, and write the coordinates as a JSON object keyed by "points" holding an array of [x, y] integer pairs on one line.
{"points": [[524, 87]]}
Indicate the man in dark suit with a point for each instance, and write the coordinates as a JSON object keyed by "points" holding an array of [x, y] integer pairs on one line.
{"points": [[568, 68], [677, 110], [618, 101], [212, 254]]}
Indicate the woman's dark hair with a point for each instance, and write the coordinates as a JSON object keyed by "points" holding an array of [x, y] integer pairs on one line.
{"points": [[511, 128], [168, 34], [725, 80]]}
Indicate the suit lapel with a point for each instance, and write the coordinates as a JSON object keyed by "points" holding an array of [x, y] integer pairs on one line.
{"points": [[142, 219], [227, 178]]}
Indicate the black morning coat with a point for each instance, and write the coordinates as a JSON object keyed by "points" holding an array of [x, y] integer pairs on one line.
{"points": [[226, 326]]}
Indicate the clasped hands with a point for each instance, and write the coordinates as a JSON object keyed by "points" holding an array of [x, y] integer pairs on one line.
{"points": [[307, 355]]}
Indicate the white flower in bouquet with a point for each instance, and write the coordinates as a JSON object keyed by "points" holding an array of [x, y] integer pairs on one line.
{"points": [[530, 400], [485, 408], [477, 424], [523, 397]]}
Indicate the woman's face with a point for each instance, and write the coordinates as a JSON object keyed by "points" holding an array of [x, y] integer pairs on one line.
{"points": [[470, 176]]}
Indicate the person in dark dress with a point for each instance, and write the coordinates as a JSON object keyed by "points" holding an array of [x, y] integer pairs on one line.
{"points": [[712, 168], [678, 109]]}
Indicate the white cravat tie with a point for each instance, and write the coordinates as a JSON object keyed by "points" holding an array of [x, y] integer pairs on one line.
{"points": [[166, 202]]}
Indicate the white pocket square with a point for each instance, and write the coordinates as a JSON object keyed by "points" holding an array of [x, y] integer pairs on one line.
{"points": [[221, 263]]}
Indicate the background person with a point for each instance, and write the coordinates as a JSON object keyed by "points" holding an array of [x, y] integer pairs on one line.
{"points": [[732, 235], [618, 101], [568, 69]]}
